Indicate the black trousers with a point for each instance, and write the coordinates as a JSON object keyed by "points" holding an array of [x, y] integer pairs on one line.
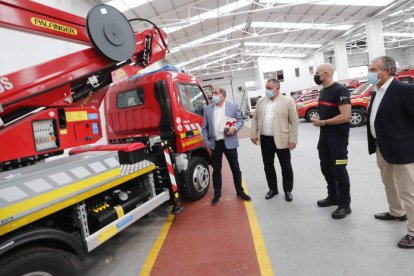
{"points": [[333, 154], [232, 157], [268, 147]]}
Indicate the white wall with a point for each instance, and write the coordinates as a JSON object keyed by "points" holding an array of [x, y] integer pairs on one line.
{"points": [[232, 82], [409, 55], [400, 55], [288, 65], [20, 50]]}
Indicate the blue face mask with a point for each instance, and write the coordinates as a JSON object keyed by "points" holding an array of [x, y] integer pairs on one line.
{"points": [[270, 93], [215, 99], [373, 78]]}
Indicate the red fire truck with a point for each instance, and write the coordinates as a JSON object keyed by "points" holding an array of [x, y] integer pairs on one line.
{"points": [[52, 211]]}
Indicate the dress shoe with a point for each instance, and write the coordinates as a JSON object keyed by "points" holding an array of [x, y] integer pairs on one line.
{"points": [[243, 196], [215, 200], [406, 242], [387, 216], [341, 212], [327, 202], [288, 196], [271, 194]]}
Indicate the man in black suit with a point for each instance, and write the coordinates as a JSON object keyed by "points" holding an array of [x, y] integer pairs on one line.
{"points": [[391, 135]]}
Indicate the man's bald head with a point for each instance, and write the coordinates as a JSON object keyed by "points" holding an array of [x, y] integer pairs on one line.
{"points": [[324, 74], [326, 68]]}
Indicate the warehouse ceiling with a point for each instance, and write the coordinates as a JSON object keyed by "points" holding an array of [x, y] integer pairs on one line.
{"points": [[215, 36]]}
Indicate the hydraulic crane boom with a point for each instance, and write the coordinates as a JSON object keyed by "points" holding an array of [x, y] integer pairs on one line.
{"points": [[66, 92]]}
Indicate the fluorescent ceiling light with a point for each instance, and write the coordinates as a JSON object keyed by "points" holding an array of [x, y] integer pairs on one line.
{"points": [[331, 2], [225, 71], [402, 11], [287, 25], [208, 55], [212, 62], [276, 55], [282, 45], [123, 5], [210, 14], [399, 34], [208, 38]]}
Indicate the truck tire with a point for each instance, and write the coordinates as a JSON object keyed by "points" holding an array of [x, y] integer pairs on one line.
{"points": [[38, 261], [311, 113], [357, 118], [197, 179]]}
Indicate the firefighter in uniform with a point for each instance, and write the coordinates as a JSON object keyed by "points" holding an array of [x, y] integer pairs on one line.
{"points": [[334, 115]]}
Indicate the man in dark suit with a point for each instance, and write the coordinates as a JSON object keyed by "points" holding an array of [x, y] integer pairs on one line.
{"points": [[391, 135], [222, 121]]}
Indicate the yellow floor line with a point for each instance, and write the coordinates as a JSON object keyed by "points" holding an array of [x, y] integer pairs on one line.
{"points": [[152, 256], [259, 245]]}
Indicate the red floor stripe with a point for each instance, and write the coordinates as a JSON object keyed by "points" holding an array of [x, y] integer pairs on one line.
{"points": [[207, 240]]}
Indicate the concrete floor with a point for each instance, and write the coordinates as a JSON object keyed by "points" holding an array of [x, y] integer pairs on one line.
{"points": [[301, 238]]}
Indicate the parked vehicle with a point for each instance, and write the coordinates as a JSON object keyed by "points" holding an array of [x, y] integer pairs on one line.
{"points": [[352, 85], [406, 76], [309, 95], [296, 94], [360, 99]]}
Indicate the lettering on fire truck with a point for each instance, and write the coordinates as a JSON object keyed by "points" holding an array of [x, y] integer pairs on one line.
{"points": [[53, 26], [5, 84]]}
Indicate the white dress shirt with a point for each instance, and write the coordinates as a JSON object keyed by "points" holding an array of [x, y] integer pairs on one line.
{"points": [[219, 121], [376, 103], [269, 112]]}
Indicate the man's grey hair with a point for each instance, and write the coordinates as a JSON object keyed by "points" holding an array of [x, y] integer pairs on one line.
{"points": [[222, 91], [388, 62], [275, 81]]}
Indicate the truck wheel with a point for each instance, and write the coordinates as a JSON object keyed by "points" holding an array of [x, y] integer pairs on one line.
{"points": [[357, 118], [197, 179], [311, 114], [38, 261]]}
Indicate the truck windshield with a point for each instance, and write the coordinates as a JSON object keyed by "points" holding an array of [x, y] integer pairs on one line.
{"points": [[361, 89], [407, 79], [192, 98]]}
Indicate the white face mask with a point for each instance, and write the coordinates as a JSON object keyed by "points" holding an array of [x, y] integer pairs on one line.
{"points": [[270, 93], [373, 78], [215, 99]]}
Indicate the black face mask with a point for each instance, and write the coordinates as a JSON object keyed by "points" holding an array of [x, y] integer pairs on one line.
{"points": [[317, 79]]}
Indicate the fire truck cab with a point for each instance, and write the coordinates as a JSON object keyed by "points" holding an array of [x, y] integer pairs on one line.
{"points": [[165, 105]]}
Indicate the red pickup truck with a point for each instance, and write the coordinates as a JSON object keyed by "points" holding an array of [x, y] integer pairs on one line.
{"points": [[360, 99], [406, 76]]}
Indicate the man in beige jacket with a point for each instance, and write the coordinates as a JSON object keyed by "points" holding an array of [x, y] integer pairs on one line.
{"points": [[275, 127]]}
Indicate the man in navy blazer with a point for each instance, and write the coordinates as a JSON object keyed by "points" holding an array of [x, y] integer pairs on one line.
{"points": [[222, 121], [390, 126]]}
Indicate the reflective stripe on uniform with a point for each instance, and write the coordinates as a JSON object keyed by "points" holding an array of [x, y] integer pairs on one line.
{"points": [[341, 162]]}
